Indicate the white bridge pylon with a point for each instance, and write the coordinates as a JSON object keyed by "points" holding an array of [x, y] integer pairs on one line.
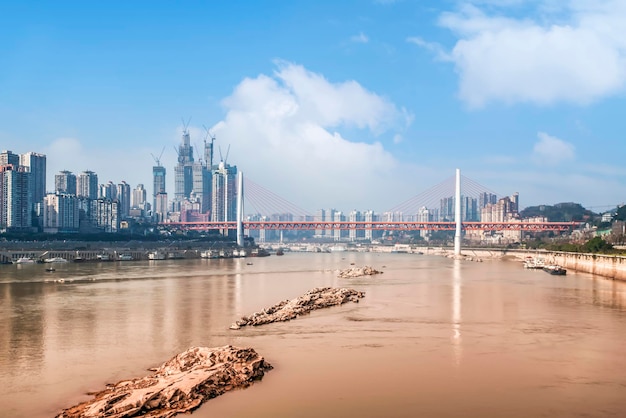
{"points": [[457, 214]]}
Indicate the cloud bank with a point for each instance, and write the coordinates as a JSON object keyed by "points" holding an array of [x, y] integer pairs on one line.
{"points": [[573, 51], [283, 131]]}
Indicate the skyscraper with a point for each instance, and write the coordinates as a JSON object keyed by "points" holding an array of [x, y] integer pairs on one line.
{"points": [[65, 182], [87, 185], [7, 157], [123, 197], [223, 193], [36, 164], [107, 191], [15, 197], [183, 181], [201, 191], [158, 178], [138, 197]]}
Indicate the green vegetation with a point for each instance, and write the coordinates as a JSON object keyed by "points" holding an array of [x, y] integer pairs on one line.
{"points": [[561, 212], [596, 245]]}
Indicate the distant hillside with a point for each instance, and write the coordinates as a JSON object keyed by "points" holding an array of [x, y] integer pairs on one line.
{"points": [[561, 212], [621, 213]]}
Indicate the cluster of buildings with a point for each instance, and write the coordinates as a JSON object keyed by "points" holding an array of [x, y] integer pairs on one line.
{"points": [[203, 192], [486, 207], [79, 203]]}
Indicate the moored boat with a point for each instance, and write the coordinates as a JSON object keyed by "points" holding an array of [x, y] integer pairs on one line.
{"points": [[156, 255], [534, 263], [103, 257], [209, 254], [555, 270], [55, 260], [25, 260]]}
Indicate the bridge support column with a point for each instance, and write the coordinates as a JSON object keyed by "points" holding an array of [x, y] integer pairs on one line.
{"points": [[240, 209], [457, 214]]}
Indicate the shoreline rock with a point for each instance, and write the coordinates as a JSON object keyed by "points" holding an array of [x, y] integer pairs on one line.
{"points": [[317, 298], [358, 272], [179, 385]]}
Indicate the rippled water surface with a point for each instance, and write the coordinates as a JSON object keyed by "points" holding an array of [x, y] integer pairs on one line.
{"points": [[433, 337]]}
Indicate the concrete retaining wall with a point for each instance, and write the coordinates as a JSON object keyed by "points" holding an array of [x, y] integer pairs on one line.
{"points": [[610, 266]]}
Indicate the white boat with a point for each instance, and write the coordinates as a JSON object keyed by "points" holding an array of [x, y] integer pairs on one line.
{"points": [[209, 254], [125, 257], [534, 263], [103, 257], [156, 255], [25, 260], [55, 260]]}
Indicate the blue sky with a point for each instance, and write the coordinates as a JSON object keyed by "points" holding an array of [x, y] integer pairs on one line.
{"points": [[355, 104]]}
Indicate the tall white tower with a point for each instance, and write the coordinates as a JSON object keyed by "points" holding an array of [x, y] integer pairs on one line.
{"points": [[457, 214]]}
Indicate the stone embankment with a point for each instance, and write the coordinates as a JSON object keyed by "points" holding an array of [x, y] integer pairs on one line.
{"points": [[358, 272], [180, 385], [317, 298]]}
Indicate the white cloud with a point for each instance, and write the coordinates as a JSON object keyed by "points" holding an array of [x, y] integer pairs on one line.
{"points": [[540, 61], [361, 38], [552, 150], [283, 133], [433, 47]]}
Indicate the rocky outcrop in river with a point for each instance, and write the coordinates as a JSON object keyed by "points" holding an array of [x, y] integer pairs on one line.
{"points": [[317, 298], [180, 385], [358, 272]]}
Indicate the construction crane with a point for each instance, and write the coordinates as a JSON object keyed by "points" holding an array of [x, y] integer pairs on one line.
{"points": [[158, 160]]}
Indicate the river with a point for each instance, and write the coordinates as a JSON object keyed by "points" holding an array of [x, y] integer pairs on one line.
{"points": [[433, 337]]}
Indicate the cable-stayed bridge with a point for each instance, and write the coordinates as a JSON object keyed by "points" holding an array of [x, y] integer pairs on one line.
{"points": [[432, 210]]}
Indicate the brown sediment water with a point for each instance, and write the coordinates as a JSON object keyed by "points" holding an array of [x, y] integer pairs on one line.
{"points": [[432, 337]]}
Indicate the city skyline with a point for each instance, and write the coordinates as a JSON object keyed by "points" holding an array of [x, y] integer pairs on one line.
{"points": [[390, 96]]}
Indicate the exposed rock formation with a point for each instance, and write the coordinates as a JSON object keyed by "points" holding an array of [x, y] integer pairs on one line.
{"points": [[317, 298], [181, 384], [358, 272]]}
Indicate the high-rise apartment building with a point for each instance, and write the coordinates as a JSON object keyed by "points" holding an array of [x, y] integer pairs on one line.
{"points": [[160, 207], [123, 197], [354, 234], [201, 190], [36, 164], [7, 157], [107, 191], [138, 197], [224, 193], [87, 185], [105, 215], [61, 213], [485, 199], [65, 182], [15, 198], [369, 216]]}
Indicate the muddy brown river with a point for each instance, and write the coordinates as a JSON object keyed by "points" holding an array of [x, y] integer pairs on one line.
{"points": [[433, 337]]}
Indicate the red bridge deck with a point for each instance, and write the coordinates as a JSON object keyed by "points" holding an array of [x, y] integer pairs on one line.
{"points": [[377, 226]]}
